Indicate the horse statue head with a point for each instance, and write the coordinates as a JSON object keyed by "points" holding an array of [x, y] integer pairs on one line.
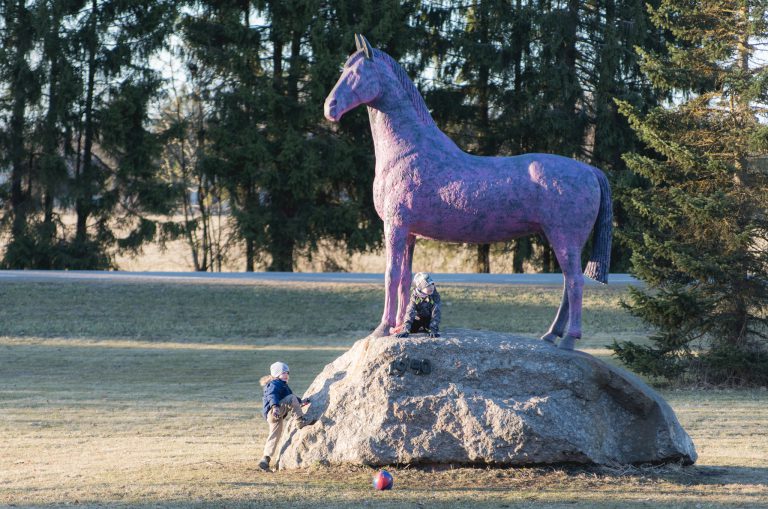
{"points": [[358, 84]]}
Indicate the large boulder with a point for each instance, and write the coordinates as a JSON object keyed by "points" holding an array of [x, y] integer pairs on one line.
{"points": [[490, 399]]}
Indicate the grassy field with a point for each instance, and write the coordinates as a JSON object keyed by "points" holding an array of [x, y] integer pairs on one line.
{"points": [[146, 395]]}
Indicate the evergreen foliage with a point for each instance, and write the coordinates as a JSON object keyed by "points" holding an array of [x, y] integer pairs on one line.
{"points": [[473, 72], [78, 137], [291, 179], [22, 88], [701, 238]]}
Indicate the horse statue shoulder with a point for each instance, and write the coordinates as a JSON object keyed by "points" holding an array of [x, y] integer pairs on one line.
{"points": [[425, 186]]}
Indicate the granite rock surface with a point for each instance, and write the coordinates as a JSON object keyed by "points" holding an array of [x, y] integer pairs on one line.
{"points": [[490, 398]]}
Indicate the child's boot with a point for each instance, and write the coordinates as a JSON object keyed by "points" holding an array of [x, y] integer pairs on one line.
{"points": [[304, 421]]}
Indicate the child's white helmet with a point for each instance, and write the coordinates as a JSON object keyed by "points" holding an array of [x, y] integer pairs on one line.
{"points": [[278, 368]]}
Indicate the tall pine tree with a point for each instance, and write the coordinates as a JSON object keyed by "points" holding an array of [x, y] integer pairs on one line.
{"points": [[476, 65], [115, 182], [21, 91], [613, 29], [701, 241], [520, 76], [479, 50]]}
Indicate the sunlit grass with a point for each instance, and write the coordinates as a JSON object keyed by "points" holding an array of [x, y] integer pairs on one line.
{"points": [[147, 395]]}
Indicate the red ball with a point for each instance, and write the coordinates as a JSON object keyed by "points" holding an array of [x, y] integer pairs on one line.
{"points": [[382, 480]]}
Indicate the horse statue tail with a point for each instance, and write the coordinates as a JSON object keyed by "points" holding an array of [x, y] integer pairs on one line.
{"points": [[600, 259]]}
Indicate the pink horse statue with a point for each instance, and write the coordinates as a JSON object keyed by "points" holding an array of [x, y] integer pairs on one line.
{"points": [[425, 186]]}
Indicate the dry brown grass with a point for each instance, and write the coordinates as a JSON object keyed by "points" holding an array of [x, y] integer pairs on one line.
{"points": [[93, 415], [429, 256]]}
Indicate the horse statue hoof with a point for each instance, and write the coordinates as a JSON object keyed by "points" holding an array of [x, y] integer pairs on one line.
{"points": [[549, 338], [567, 343], [381, 331]]}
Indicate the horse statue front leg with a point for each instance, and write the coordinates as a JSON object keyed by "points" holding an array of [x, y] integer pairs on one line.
{"points": [[395, 239], [406, 275]]}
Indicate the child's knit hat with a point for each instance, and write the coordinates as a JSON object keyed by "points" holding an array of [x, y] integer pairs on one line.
{"points": [[423, 283], [278, 368]]}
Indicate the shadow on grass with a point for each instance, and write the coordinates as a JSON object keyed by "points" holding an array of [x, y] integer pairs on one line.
{"points": [[714, 475], [76, 374], [329, 489], [674, 473]]}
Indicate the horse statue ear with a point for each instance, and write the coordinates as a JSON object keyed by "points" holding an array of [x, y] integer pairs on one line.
{"points": [[358, 43], [367, 48]]}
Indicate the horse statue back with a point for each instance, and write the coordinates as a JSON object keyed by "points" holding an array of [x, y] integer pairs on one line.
{"points": [[426, 186]]}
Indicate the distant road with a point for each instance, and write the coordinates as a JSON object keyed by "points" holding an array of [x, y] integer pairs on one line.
{"points": [[313, 277]]}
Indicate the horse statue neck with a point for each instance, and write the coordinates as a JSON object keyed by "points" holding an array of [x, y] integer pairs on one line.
{"points": [[400, 120]]}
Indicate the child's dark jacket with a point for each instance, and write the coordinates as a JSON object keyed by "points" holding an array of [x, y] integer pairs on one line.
{"points": [[426, 308], [274, 392]]}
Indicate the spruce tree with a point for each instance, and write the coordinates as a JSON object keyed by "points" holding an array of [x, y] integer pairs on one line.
{"points": [[61, 87], [701, 237], [478, 48], [612, 31], [540, 76]]}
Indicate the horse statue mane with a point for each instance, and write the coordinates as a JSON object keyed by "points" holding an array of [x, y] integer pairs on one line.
{"points": [[426, 187], [408, 86]]}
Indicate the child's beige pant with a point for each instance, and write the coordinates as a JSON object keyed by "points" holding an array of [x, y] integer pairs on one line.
{"points": [[290, 403]]}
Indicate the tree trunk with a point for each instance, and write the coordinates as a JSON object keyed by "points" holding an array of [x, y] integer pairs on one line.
{"points": [[486, 147], [517, 65], [521, 251], [572, 143], [51, 139], [483, 264], [741, 176], [250, 253], [282, 255], [19, 87], [83, 204], [546, 259], [205, 219]]}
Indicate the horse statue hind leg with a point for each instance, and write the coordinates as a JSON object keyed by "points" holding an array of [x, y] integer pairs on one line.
{"points": [[567, 323]]}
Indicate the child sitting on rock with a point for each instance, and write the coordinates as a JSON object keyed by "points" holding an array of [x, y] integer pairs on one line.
{"points": [[279, 400], [423, 311]]}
